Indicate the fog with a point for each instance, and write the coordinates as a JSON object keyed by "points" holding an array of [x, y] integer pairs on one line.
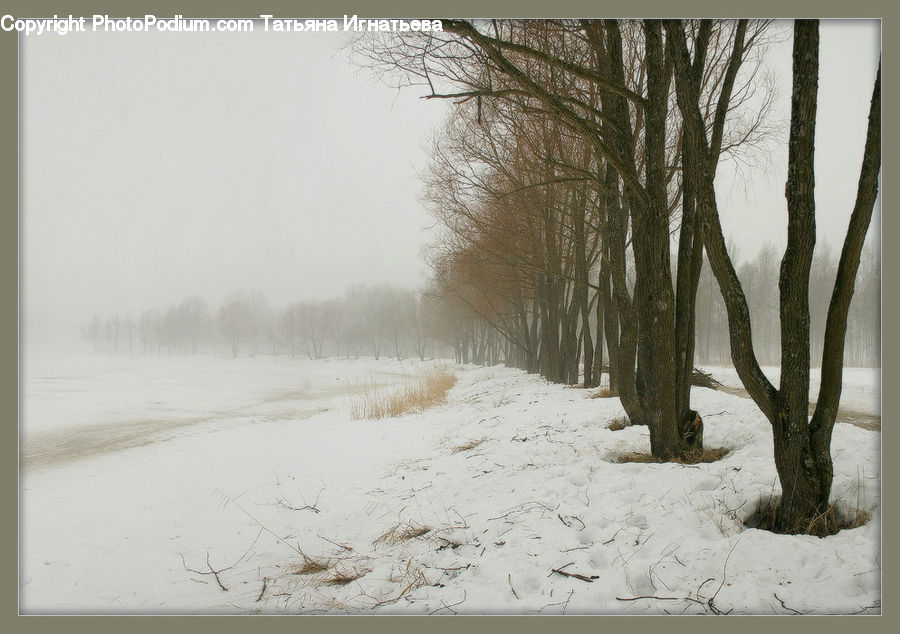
{"points": [[751, 193], [161, 165], [157, 166]]}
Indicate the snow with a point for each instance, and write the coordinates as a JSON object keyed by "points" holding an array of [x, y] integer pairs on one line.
{"points": [[91, 390], [538, 492], [861, 391]]}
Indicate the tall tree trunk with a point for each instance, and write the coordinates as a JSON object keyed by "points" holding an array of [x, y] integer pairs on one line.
{"points": [[597, 371], [610, 328], [793, 451], [616, 110], [801, 447], [690, 261], [650, 237], [822, 423]]}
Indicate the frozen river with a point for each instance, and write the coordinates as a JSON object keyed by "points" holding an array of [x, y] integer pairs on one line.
{"points": [[86, 405]]}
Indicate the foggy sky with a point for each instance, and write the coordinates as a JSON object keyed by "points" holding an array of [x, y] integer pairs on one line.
{"points": [[752, 204], [159, 165]]}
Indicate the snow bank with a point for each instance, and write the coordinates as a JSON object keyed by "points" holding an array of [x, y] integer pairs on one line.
{"points": [[513, 479]]}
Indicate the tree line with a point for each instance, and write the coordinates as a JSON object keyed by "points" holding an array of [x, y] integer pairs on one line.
{"points": [[378, 321], [573, 184], [759, 277]]}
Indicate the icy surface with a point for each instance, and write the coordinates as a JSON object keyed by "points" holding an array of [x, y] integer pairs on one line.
{"points": [[510, 480]]}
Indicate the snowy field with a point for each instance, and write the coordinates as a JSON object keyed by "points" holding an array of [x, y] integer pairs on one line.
{"points": [[253, 468], [861, 391]]}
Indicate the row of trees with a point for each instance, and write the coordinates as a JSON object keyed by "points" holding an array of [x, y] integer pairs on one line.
{"points": [[574, 184], [368, 320], [759, 277], [180, 329]]}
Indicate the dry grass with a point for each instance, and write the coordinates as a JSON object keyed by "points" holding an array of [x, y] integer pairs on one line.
{"points": [[417, 395], [401, 532], [618, 424], [467, 446], [693, 456], [605, 392], [409, 578], [343, 577], [310, 566], [837, 517]]}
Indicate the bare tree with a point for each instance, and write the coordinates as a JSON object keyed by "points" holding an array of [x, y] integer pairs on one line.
{"points": [[235, 322], [609, 86], [802, 446]]}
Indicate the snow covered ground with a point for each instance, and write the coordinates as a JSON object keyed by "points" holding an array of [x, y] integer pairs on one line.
{"points": [[467, 508], [861, 391]]}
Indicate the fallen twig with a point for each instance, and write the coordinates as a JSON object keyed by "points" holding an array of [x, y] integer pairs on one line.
{"points": [[212, 571], [263, 591], [444, 606], [789, 609], [574, 575], [565, 603], [307, 507], [613, 538], [520, 508], [509, 578], [568, 521]]}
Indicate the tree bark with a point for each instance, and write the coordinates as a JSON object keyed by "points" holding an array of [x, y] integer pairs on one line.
{"points": [[801, 447], [650, 232], [823, 419]]}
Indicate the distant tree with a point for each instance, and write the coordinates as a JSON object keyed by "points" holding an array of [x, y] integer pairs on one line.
{"points": [[315, 324], [864, 321], [289, 331], [260, 320], [421, 316], [235, 322], [821, 281], [129, 327], [192, 317], [760, 280], [354, 328], [94, 334], [379, 307]]}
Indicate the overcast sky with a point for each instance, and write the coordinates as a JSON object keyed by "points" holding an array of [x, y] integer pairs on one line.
{"points": [[752, 203], [161, 165]]}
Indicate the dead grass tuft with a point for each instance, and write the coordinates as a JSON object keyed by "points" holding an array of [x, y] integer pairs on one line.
{"points": [[605, 392], [835, 518], [411, 577], [618, 424], [343, 577], [401, 532], [417, 395], [467, 446], [310, 566], [693, 456]]}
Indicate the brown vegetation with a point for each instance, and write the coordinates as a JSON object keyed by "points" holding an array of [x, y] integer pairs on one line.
{"points": [[713, 454], [416, 395], [401, 532], [467, 446], [618, 424], [822, 524], [310, 566]]}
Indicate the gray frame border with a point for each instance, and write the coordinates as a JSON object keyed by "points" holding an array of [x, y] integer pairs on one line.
{"points": [[9, 269]]}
